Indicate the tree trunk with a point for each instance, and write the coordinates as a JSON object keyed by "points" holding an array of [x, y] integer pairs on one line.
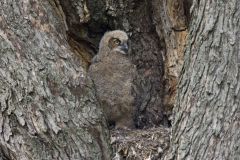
{"points": [[206, 115], [48, 107], [48, 104]]}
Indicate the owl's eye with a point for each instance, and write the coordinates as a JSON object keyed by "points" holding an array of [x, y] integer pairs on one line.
{"points": [[116, 41]]}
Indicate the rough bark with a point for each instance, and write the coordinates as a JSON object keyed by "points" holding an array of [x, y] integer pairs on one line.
{"points": [[206, 115], [171, 19], [48, 108]]}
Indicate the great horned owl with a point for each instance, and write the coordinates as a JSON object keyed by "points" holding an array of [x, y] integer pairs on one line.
{"points": [[112, 73]]}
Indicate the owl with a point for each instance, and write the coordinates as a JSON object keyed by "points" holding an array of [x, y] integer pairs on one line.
{"points": [[112, 73]]}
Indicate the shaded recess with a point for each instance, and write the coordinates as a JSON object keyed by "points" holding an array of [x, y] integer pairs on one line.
{"points": [[151, 46], [171, 19]]}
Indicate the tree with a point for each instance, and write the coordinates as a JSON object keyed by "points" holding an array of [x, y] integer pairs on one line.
{"points": [[48, 104], [48, 107], [206, 115]]}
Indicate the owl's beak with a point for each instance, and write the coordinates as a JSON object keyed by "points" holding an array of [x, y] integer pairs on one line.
{"points": [[124, 48]]}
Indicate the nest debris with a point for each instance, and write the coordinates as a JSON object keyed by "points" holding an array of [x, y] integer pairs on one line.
{"points": [[144, 144]]}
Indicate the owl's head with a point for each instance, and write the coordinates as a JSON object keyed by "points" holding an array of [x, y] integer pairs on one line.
{"points": [[116, 41]]}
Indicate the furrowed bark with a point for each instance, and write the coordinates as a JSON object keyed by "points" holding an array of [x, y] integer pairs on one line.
{"points": [[206, 115], [48, 107]]}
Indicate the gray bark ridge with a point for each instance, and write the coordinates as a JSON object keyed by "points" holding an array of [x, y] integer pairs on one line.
{"points": [[206, 115], [48, 109]]}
